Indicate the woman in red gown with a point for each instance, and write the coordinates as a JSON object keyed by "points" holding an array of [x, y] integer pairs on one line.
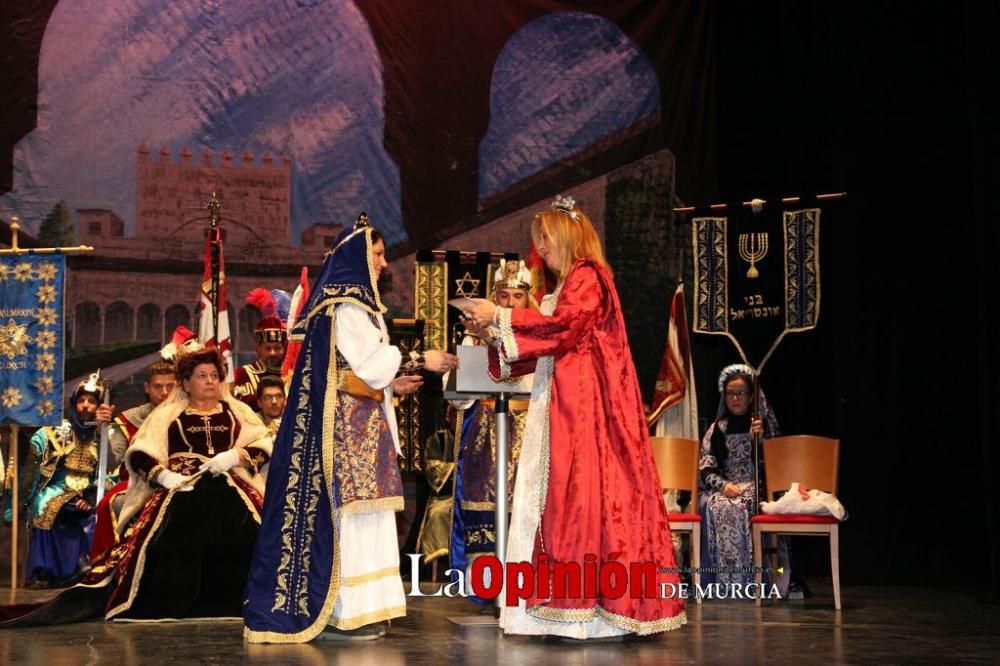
{"points": [[595, 497]]}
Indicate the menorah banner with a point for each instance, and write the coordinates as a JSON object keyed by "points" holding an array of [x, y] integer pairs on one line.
{"points": [[756, 278], [440, 279], [31, 339]]}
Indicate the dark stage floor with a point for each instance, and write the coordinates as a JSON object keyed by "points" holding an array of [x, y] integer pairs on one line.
{"points": [[877, 625]]}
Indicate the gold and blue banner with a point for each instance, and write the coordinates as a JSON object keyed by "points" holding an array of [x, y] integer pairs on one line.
{"points": [[756, 278], [31, 339]]}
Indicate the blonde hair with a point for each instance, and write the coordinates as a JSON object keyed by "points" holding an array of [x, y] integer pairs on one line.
{"points": [[573, 236]]}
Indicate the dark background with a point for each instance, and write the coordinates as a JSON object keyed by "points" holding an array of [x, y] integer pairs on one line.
{"points": [[888, 101]]}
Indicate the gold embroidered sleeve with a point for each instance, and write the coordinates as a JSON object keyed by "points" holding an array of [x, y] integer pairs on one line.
{"points": [[255, 458]]}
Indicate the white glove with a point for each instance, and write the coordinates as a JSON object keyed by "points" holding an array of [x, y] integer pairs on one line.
{"points": [[173, 480], [222, 462]]}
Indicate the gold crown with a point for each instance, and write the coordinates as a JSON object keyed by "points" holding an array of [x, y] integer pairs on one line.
{"points": [[512, 275]]}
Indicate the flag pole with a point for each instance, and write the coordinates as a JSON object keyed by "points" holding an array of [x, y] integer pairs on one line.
{"points": [[214, 205], [15, 228], [12, 476], [819, 198], [16, 249], [756, 439]]}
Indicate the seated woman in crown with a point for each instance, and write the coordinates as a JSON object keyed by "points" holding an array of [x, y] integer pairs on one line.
{"points": [[190, 515], [196, 492]]}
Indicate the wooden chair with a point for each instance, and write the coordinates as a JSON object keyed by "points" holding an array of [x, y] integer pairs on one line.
{"points": [[813, 462], [677, 463]]}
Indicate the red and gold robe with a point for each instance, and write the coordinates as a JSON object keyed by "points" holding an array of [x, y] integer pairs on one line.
{"points": [[246, 379], [596, 491]]}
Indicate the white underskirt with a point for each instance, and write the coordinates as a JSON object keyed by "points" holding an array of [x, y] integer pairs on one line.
{"points": [[369, 548]]}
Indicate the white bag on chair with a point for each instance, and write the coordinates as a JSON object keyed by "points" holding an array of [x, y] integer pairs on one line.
{"points": [[801, 500]]}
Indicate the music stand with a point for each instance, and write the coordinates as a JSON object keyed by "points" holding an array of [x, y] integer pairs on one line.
{"points": [[472, 380]]}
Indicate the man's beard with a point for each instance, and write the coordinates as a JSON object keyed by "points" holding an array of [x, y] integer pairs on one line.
{"points": [[86, 416]]}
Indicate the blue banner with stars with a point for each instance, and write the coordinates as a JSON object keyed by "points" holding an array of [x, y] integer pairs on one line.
{"points": [[31, 339]]}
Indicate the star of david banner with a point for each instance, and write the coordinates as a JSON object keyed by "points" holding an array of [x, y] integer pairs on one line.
{"points": [[756, 278], [31, 339], [437, 282]]}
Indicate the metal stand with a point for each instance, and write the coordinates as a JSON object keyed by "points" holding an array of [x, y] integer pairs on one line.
{"points": [[755, 442], [472, 380], [500, 516], [501, 434]]}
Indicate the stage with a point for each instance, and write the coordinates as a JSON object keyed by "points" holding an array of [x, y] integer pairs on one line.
{"points": [[877, 625]]}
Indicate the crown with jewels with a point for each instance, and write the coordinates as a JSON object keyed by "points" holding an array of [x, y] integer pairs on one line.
{"points": [[363, 221], [567, 205], [734, 369], [512, 275]]}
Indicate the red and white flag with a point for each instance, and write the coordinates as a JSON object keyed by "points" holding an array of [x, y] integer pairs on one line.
{"points": [[299, 299], [214, 330], [675, 403]]}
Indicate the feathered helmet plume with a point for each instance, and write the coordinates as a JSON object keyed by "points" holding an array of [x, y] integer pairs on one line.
{"points": [[273, 305], [182, 342]]}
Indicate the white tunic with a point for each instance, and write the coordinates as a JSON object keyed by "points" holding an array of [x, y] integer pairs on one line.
{"points": [[371, 589]]}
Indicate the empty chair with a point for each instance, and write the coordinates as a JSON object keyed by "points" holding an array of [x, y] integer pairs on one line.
{"points": [[677, 463], [812, 461]]}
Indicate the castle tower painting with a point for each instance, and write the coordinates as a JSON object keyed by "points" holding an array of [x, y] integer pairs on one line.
{"points": [[161, 260]]}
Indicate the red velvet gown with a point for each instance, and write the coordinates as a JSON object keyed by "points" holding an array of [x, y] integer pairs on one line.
{"points": [[597, 491]]}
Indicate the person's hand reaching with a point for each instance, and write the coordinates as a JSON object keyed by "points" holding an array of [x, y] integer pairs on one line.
{"points": [[482, 314], [437, 360], [407, 384]]}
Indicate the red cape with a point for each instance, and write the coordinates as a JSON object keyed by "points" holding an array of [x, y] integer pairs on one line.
{"points": [[603, 495]]}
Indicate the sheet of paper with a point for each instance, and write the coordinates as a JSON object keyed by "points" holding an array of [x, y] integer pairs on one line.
{"points": [[464, 303], [472, 376]]}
